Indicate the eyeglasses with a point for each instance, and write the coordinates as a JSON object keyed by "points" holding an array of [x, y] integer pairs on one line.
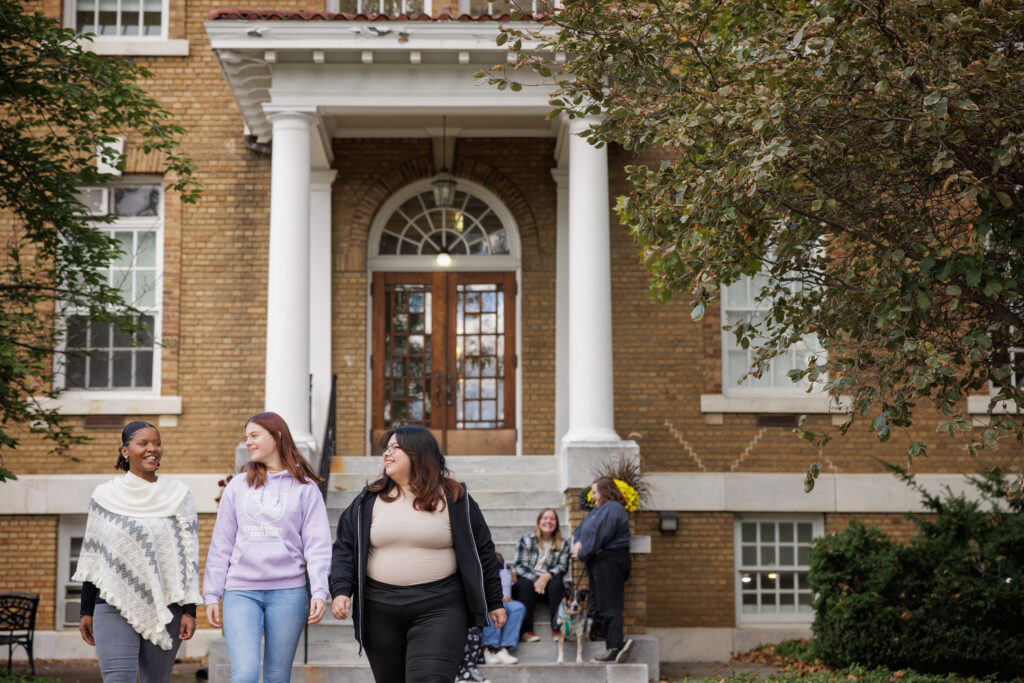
{"points": [[391, 449]]}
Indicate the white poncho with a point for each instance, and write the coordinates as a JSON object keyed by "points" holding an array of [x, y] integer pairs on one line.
{"points": [[141, 549]]}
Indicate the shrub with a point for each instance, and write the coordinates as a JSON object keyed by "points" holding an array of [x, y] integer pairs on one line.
{"points": [[949, 600]]}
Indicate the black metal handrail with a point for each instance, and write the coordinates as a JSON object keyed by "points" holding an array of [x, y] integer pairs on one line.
{"points": [[330, 439], [328, 446]]}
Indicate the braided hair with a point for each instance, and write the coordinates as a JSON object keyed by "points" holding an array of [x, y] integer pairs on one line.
{"points": [[127, 433]]}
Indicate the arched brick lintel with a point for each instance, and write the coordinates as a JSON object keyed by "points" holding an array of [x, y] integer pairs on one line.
{"points": [[422, 166]]}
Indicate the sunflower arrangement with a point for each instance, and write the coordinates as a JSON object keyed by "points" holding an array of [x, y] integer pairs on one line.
{"points": [[629, 478]]}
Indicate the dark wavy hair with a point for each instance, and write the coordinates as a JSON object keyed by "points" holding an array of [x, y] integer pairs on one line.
{"points": [[127, 433], [429, 477], [609, 491], [291, 458]]}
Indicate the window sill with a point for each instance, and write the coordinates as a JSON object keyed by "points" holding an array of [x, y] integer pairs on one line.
{"points": [[715, 406], [978, 405], [83, 403], [155, 47]]}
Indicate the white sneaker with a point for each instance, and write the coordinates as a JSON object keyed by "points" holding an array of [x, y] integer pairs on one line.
{"points": [[491, 657], [505, 657]]}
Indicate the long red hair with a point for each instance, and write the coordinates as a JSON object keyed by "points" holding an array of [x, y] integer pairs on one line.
{"points": [[291, 458], [428, 476]]}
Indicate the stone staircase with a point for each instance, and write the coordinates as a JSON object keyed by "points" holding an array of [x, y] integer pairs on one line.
{"points": [[510, 491]]}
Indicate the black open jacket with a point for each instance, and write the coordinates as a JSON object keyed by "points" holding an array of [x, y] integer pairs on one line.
{"points": [[471, 539]]}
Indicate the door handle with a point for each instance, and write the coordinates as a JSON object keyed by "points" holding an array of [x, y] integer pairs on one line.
{"points": [[450, 391], [437, 389]]}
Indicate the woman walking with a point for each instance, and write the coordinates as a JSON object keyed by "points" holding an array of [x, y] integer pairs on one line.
{"points": [[542, 559], [271, 531], [602, 541], [139, 565], [414, 564]]}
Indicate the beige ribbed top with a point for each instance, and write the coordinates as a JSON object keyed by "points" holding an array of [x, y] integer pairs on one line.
{"points": [[409, 546]]}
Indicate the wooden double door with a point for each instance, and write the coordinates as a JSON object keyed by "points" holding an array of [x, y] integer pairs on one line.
{"points": [[444, 357]]}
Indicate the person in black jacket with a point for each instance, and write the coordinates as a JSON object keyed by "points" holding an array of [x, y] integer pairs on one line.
{"points": [[602, 542], [414, 564]]}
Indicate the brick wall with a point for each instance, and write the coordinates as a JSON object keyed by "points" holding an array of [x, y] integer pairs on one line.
{"points": [[28, 560]]}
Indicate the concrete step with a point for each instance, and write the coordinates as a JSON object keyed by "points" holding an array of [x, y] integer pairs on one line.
{"points": [[531, 673], [460, 466], [338, 500], [505, 536], [476, 481], [524, 518]]}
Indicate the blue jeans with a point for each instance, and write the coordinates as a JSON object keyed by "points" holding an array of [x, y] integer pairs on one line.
{"points": [[281, 614], [507, 635]]}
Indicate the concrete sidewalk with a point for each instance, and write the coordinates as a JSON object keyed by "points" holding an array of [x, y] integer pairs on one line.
{"points": [[676, 671], [87, 671]]}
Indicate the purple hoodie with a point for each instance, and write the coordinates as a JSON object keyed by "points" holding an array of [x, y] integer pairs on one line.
{"points": [[267, 538]]}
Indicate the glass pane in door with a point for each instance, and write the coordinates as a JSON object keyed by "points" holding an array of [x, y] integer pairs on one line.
{"points": [[407, 353], [480, 356]]}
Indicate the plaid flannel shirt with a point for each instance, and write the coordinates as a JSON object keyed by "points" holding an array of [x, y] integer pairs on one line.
{"points": [[527, 552]]}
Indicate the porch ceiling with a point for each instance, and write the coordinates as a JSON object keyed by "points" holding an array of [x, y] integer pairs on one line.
{"points": [[366, 78]]}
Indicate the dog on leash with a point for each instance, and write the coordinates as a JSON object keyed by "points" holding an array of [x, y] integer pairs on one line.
{"points": [[573, 622]]}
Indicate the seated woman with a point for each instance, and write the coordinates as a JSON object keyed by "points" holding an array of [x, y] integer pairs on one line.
{"points": [[542, 559], [500, 641]]}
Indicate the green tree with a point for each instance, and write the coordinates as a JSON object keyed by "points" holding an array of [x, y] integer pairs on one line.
{"points": [[867, 155], [61, 107]]}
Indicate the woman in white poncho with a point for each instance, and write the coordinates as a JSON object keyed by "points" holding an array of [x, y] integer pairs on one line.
{"points": [[139, 565]]}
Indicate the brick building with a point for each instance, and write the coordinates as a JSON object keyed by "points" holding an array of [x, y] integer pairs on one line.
{"points": [[319, 138]]}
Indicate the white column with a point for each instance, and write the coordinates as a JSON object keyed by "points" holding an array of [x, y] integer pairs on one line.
{"points": [[561, 177], [591, 397], [287, 364], [320, 255]]}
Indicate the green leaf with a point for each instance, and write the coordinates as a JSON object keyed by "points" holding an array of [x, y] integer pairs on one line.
{"points": [[923, 301], [501, 39], [932, 99]]}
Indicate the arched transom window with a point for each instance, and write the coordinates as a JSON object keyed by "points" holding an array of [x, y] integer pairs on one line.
{"points": [[419, 227]]}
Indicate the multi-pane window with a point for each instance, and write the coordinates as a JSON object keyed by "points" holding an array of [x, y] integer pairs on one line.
{"points": [[1013, 357], [480, 354], [119, 18], [739, 302], [419, 226], [71, 533], [772, 565], [409, 314], [104, 355]]}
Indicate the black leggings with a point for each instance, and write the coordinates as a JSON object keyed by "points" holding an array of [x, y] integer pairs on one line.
{"points": [[525, 593], [415, 634], [608, 572]]}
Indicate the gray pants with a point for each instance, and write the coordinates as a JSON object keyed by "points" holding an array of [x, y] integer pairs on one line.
{"points": [[123, 653]]}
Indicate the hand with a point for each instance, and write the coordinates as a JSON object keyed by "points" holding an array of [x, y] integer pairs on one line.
{"points": [[541, 584], [576, 547], [85, 628], [188, 627], [317, 609], [505, 598], [213, 615], [341, 606], [498, 617]]}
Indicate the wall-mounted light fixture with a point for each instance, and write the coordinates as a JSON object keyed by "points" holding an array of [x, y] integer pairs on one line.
{"points": [[668, 521]]}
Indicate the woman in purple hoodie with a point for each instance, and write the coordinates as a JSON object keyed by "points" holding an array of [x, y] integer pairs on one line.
{"points": [[271, 530]]}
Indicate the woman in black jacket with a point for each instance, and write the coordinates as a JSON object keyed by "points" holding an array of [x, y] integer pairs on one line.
{"points": [[414, 564]]}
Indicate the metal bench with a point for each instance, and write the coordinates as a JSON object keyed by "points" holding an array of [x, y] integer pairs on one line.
{"points": [[18, 624]]}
